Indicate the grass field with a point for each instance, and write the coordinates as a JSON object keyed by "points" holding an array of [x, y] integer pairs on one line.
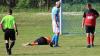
{"points": [[33, 25]]}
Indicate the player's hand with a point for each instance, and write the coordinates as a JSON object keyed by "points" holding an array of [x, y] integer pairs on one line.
{"points": [[17, 33], [82, 26], [3, 30]]}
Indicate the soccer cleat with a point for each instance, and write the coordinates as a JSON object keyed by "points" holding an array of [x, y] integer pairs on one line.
{"points": [[92, 45], [51, 44], [57, 46], [88, 46], [9, 52]]}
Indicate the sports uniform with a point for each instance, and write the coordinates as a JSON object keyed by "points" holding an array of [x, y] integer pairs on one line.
{"points": [[89, 21], [41, 41], [8, 25], [55, 20], [55, 25]]}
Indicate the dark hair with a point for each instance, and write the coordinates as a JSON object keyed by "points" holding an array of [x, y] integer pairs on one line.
{"points": [[89, 4], [10, 11]]}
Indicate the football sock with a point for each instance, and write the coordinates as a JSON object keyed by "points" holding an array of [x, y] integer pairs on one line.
{"points": [[56, 40], [12, 44], [88, 40], [7, 46], [92, 40], [53, 38]]}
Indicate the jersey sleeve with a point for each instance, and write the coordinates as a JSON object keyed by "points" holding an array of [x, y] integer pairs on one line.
{"points": [[54, 11], [2, 20], [96, 12], [84, 15]]}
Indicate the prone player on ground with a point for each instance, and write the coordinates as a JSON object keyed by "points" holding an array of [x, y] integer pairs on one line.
{"points": [[39, 41]]}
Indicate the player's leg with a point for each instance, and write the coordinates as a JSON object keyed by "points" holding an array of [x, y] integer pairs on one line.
{"points": [[88, 36], [53, 40], [11, 46], [88, 40], [7, 46], [56, 40], [57, 36], [6, 37], [34, 43], [92, 36], [92, 40], [54, 31], [12, 38]]}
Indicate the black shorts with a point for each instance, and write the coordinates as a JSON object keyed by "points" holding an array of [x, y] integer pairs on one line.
{"points": [[9, 34], [90, 29], [41, 41]]}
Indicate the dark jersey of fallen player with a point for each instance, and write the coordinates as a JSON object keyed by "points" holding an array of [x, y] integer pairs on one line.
{"points": [[41, 41]]}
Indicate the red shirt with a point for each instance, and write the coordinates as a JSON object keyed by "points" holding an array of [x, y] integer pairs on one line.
{"points": [[90, 19]]}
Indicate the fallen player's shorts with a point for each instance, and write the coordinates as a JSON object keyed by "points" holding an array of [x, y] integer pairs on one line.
{"points": [[41, 41]]}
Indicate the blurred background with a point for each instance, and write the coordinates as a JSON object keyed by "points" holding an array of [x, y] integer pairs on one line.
{"points": [[46, 5]]}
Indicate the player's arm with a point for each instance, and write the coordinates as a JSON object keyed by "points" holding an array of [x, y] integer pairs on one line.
{"points": [[1, 25], [56, 21], [15, 26], [83, 20], [96, 14]]}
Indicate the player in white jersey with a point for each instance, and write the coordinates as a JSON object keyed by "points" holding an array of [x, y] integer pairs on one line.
{"points": [[55, 24]]}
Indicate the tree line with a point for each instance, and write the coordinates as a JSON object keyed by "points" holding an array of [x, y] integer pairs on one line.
{"points": [[39, 3]]}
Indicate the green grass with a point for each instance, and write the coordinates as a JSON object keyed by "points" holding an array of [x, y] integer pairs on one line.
{"points": [[33, 25]]}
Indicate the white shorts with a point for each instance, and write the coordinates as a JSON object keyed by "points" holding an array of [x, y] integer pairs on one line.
{"points": [[55, 28]]}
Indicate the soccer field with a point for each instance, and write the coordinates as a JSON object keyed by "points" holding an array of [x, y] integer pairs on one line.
{"points": [[33, 25]]}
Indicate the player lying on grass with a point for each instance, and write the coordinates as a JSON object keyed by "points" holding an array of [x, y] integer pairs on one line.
{"points": [[39, 41]]}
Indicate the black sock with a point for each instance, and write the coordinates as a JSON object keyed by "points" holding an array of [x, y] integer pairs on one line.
{"points": [[12, 44], [7, 46]]}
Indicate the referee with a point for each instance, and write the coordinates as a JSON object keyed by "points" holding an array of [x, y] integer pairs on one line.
{"points": [[9, 27]]}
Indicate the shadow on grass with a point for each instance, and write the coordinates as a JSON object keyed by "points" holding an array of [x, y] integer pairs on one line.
{"points": [[96, 46], [81, 46], [27, 54]]}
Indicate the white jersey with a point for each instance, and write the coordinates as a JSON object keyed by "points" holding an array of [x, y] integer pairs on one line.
{"points": [[55, 20]]}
